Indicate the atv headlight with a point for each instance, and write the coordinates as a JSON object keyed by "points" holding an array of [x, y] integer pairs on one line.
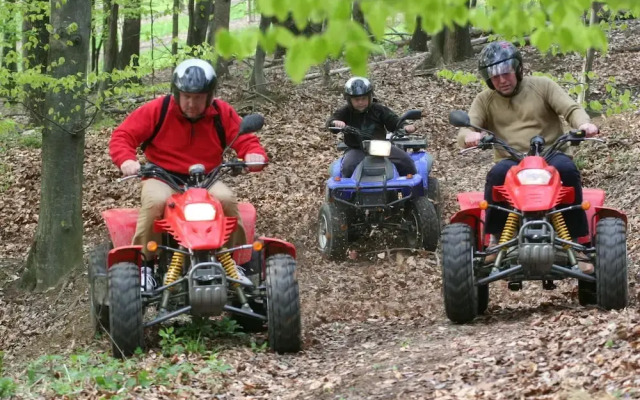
{"points": [[199, 212], [381, 148], [534, 176]]}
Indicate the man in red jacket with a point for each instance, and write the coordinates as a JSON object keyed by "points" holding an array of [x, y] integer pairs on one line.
{"points": [[176, 132]]}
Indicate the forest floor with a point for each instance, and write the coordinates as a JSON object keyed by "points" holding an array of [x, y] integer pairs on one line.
{"points": [[374, 326]]}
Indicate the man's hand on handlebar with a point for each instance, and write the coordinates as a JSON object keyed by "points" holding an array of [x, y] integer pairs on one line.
{"points": [[589, 129], [130, 167]]}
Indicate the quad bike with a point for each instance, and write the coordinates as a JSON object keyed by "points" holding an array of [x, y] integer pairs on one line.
{"points": [[376, 196], [535, 243], [198, 275]]}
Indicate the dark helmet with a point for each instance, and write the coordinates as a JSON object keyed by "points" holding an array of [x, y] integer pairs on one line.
{"points": [[194, 76], [497, 58], [358, 86]]}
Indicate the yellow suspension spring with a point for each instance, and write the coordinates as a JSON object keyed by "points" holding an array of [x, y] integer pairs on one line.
{"points": [[228, 265], [510, 228], [561, 228], [175, 268]]}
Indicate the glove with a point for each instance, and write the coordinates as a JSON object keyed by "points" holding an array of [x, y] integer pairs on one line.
{"points": [[350, 130]]}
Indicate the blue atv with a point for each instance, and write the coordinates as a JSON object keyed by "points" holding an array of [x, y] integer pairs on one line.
{"points": [[376, 197]]}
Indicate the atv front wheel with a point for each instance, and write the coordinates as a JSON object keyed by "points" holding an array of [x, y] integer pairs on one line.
{"points": [[99, 288], [611, 264], [125, 315], [283, 304], [332, 231], [424, 224], [460, 291]]}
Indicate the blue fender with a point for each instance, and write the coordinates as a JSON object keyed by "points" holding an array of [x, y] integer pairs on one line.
{"points": [[334, 168], [424, 162]]}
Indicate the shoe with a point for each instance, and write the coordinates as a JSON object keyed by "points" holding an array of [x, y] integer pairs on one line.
{"points": [[492, 242], [147, 282], [242, 277], [586, 267]]}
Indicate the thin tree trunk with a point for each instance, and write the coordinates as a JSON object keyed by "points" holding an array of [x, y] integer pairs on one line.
{"points": [[588, 60], [448, 46], [258, 80], [37, 57], [175, 31], [191, 27], [201, 12], [130, 51], [111, 9], [419, 39], [221, 19], [57, 246]]}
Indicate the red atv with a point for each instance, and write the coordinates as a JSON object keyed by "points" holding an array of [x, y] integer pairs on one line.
{"points": [[198, 275], [535, 243]]}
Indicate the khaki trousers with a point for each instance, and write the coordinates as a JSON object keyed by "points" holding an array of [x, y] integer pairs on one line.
{"points": [[153, 198]]}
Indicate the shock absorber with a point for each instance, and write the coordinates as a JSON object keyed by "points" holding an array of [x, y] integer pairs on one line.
{"points": [[173, 273], [228, 265], [175, 268], [508, 232], [230, 268], [562, 231], [510, 228]]}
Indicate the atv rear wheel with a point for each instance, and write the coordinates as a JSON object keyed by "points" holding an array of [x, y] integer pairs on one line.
{"points": [[125, 315], [424, 224], [332, 231], [460, 291], [283, 304], [99, 287], [611, 264], [434, 194]]}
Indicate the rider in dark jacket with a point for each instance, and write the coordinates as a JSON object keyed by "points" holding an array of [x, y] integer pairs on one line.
{"points": [[373, 120]]}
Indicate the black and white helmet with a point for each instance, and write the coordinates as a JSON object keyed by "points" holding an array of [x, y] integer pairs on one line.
{"points": [[358, 86], [194, 76]]}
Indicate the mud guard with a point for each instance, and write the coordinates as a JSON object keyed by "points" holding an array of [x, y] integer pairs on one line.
{"points": [[121, 224], [473, 218], [276, 246], [606, 212], [132, 254], [248, 218]]}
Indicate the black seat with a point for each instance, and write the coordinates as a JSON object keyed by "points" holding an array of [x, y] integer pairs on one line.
{"points": [[373, 169]]}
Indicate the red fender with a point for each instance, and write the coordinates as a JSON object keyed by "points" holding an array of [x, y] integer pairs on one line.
{"points": [[132, 254], [276, 246], [248, 217], [121, 224]]}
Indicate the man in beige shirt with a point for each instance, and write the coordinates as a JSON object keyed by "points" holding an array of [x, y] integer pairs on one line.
{"points": [[517, 108]]}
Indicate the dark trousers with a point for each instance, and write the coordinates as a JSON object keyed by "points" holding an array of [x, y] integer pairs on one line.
{"points": [[576, 220], [403, 162]]}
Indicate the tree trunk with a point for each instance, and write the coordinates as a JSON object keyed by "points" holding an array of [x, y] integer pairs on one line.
{"points": [[221, 19], [358, 16], [588, 60], [130, 51], [420, 38], [35, 56], [258, 80], [201, 12], [111, 9], [448, 46], [190, 27], [57, 246], [176, 26]]}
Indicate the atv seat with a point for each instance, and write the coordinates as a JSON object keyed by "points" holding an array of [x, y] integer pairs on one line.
{"points": [[372, 168]]}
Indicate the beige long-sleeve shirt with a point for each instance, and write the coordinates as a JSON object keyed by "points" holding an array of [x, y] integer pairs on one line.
{"points": [[534, 110]]}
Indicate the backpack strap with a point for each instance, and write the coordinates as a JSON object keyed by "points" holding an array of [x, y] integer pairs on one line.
{"points": [[219, 128], [163, 113]]}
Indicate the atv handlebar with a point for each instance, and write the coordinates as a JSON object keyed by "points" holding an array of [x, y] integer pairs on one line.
{"points": [[199, 180]]}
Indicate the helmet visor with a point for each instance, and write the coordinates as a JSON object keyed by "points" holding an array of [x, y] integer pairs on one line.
{"points": [[503, 67]]}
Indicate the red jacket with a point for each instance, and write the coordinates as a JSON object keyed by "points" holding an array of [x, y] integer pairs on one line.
{"points": [[180, 143]]}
